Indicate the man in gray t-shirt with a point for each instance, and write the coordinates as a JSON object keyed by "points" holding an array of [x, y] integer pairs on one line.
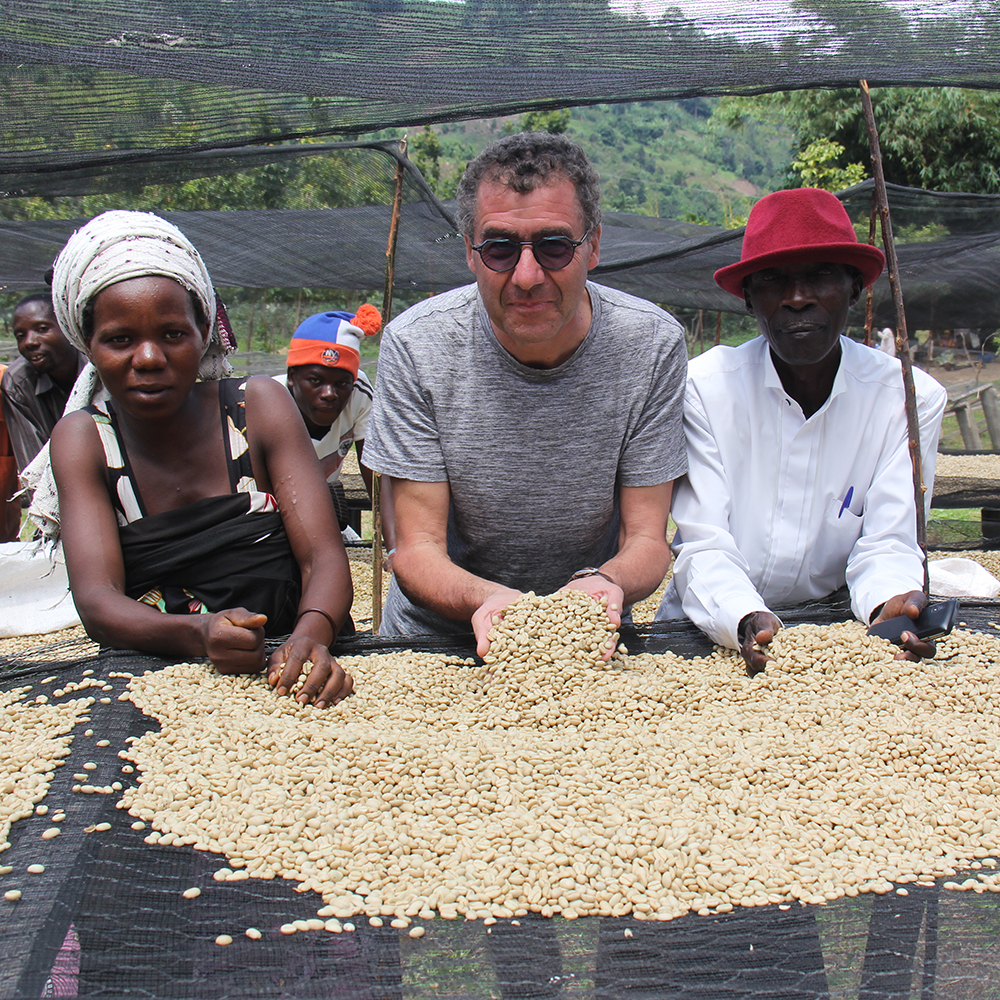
{"points": [[531, 422]]}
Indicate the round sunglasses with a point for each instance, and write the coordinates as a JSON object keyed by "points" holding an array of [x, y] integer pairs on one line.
{"points": [[552, 252]]}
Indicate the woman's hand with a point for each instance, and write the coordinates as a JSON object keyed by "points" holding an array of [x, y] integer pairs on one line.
{"points": [[327, 682], [234, 640]]}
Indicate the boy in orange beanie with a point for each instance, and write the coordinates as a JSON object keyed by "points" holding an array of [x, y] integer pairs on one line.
{"points": [[334, 395]]}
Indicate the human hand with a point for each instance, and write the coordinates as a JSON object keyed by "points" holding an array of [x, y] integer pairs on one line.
{"points": [[234, 640], [909, 604], [600, 589], [327, 682], [493, 607], [756, 629], [387, 557]]}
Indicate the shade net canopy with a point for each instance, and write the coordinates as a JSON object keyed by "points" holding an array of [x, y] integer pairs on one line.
{"points": [[948, 244], [111, 75], [108, 918]]}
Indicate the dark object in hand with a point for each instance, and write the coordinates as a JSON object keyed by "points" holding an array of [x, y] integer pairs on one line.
{"points": [[934, 621]]}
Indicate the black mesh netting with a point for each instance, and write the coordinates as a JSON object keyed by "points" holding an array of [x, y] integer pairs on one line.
{"points": [[85, 76], [949, 244], [107, 917], [981, 530]]}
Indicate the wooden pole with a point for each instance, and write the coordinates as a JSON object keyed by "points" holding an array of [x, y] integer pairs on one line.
{"points": [[870, 296], [718, 328], [390, 273], [902, 337], [390, 252]]}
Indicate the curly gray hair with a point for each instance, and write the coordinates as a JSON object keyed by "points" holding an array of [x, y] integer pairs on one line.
{"points": [[524, 162]]}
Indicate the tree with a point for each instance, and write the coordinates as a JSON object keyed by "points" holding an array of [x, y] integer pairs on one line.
{"points": [[427, 156], [816, 167], [556, 121], [939, 138]]}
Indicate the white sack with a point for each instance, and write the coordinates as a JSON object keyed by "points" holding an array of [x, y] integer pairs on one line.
{"points": [[962, 578], [34, 590]]}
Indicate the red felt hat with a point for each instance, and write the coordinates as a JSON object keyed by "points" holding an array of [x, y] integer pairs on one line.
{"points": [[799, 226]]}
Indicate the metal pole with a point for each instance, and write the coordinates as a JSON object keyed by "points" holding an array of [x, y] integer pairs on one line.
{"points": [[390, 271], [902, 337]]}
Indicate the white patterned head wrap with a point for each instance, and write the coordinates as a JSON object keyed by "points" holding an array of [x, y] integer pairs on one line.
{"points": [[117, 246]]}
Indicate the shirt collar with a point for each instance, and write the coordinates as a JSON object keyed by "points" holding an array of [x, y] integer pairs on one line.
{"points": [[44, 382], [773, 381]]}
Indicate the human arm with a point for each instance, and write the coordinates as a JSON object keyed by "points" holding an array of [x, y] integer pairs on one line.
{"points": [[233, 640], [423, 569], [26, 436], [711, 572], [388, 522], [643, 556], [886, 559], [284, 462]]}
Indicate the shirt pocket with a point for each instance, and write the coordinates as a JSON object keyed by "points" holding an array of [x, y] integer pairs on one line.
{"points": [[841, 527]]}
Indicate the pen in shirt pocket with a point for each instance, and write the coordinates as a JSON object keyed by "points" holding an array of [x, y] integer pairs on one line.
{"points": [[847, 500]]}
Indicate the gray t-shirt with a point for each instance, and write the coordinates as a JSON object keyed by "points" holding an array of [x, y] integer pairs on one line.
{"points": [[533, 458]]}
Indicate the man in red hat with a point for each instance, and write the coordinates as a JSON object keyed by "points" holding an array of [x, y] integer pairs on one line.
{"points": [[799, 477]]}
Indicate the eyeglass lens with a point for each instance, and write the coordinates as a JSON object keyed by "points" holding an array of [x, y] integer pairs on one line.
{"points": [[551, 252]]}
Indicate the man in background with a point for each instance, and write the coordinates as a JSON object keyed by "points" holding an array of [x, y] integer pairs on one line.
{"points": [[35, 387], [334, 397]]}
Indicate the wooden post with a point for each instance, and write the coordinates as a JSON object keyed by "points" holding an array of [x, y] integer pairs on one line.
{"points": [[870, 296], [967, 425], [376, 552], [718, 328], [390, 251], [902, 337], [390, 272], [253, 309], [991, 410]]}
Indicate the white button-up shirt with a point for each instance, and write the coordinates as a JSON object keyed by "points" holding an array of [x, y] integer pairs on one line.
{"points": [[777, 509]]}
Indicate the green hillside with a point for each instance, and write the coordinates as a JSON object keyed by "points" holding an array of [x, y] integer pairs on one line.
{"points": [[661, 158], [665, 158]]}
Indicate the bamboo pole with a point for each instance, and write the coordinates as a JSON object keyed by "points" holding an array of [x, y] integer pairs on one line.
{"points": [[902, 337], [390, 273]]}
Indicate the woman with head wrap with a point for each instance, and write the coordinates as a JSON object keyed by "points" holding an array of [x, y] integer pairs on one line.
{"points": [[193, 513]]}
